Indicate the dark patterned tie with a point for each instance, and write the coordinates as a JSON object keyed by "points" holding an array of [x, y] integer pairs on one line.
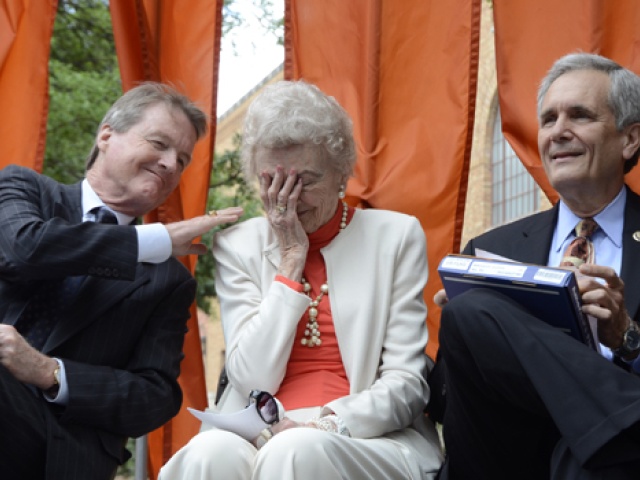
{"points": [[580, 250], [42, 313], [104, 215]]}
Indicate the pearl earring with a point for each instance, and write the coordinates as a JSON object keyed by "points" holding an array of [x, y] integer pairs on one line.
{"points": [[341, 192]]}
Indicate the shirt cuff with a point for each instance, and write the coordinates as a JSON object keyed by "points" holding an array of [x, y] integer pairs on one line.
{"points": [[289, 283], [62, 398], [154, 243]]}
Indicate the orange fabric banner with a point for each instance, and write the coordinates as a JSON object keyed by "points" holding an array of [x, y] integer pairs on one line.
{"points": [[176, 42], [530, 36], [406, 72], [26, 27]]}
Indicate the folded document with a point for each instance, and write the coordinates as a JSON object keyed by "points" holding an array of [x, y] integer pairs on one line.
{"points": [[246, 423]]}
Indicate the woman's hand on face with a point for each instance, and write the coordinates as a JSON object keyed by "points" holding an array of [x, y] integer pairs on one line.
{"points": [[279, 195]]}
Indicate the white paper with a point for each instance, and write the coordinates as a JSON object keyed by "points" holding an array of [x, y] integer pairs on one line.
{"points": [[246, 423], [492, 256]]}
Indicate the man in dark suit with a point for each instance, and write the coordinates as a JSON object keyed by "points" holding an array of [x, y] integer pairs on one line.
{"points": [[98, 361], [525, 400]]}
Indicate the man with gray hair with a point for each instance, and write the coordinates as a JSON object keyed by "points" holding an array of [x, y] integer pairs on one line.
{"points": [[523, 399], [93, 307]]}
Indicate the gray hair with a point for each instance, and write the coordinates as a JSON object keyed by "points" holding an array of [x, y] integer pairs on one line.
{"points": [[127, 111], [290, 113], [624, 93]]}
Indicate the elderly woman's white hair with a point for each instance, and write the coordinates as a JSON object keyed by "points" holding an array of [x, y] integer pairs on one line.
{"points": [[290, 113]]}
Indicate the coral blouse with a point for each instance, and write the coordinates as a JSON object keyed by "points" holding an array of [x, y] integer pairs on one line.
{"points": [[315, 375]]}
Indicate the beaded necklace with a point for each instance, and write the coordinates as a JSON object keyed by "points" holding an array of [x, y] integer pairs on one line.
{"points": [[311, 336]]}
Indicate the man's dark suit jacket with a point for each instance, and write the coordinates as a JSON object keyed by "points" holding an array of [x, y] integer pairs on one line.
{"points": [[528, 240], [121, 339]]}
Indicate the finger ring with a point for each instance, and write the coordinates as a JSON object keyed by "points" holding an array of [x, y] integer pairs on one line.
{"points": [[213, 213], [281, 208]]}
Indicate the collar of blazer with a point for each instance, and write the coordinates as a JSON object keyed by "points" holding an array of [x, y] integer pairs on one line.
{"points": [[630, 273]]}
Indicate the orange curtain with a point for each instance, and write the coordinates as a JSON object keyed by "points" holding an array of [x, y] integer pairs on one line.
{"points": [[176, 42], [530, 36], [406, 72], [26, 27]]}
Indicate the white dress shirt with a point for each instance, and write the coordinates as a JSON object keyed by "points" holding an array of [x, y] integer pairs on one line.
{"points": [[154, 246]]}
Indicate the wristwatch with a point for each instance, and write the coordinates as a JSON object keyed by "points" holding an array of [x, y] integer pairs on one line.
{"points": [[56, 377], [630, 341], [52, 391]]}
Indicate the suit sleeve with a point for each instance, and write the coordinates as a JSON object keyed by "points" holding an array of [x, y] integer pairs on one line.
{"points": [[41, 239], [134, 388], [259, 321]]}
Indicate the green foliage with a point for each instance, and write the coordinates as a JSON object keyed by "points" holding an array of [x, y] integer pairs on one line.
{"points": [[84, 81], [83, 37], [227, 188]]}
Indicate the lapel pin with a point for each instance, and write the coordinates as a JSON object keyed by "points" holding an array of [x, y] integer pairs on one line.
{"points": [[636, 235]]}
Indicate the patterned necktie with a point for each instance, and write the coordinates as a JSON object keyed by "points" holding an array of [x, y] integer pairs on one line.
{"points": [[580, 250], [104, 215], [42, 313]]}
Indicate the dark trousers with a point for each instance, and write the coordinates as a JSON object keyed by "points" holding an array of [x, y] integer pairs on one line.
{"points": [[524, 400], [28, 425]]}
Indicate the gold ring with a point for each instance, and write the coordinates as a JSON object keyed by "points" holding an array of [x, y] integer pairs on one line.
{"points": [[281, 208], [213, 213]]}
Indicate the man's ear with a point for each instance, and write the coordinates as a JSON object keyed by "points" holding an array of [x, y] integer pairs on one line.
{"points": [[631, 140], [102, 139]]}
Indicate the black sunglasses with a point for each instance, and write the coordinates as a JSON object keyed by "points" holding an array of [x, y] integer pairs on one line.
{"points": [[266, 406]]}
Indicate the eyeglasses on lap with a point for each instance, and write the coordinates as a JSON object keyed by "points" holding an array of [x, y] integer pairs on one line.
{"points": [[266, 406]]}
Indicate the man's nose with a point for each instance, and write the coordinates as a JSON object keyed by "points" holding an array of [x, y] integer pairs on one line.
{"points": [[560, 129], [169, 161]]}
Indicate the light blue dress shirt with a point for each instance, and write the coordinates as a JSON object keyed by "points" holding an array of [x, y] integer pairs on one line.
{"points": [[607, 241]]}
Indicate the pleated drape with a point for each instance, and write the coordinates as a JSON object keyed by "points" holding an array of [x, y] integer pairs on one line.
{"points": [[26, 27], [406, 72], [531, 36], [176, 42]]}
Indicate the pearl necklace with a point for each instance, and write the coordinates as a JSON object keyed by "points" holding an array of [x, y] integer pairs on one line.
{"points": [[311, 336]]}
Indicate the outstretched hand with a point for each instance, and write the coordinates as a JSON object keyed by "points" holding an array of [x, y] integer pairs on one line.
{"points": [[184, 233]]}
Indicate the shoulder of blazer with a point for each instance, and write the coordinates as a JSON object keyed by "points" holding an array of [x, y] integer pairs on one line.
{"points": [[50, 191], [247, 239], [526, 240], [387, 223], [252, 229], [629, 271]]}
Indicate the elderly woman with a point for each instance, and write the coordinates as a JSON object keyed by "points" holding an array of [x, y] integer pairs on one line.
{"points": [[322, 306]]}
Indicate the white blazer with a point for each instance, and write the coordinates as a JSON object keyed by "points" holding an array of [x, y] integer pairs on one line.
{"points": [[377, 270]]}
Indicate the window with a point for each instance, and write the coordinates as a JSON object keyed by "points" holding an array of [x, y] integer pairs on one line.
{"points": [[514, 192]]}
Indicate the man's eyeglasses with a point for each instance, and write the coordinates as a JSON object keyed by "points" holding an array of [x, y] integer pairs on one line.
{"points": [[266, 406]]}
